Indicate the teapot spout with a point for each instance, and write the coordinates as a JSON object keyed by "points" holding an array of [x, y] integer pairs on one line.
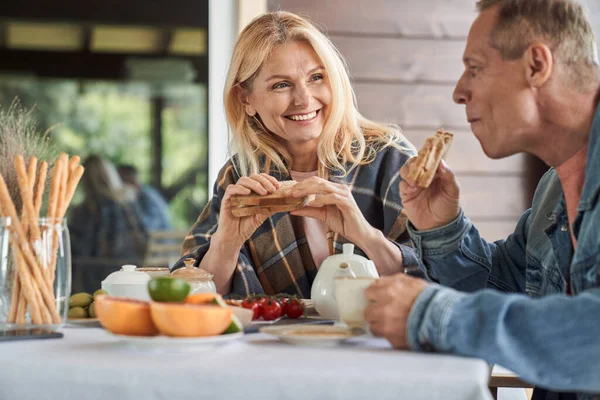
{"points": [[345, 271]]}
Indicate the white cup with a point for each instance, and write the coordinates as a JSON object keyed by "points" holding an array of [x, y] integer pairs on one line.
{"points": [[350, 299]]}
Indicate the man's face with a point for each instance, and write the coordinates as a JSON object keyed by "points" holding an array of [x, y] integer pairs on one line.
{"points": [[500, 105]]}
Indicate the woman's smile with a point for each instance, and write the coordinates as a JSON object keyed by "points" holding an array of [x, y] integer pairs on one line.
{"points": [[305, 118]]}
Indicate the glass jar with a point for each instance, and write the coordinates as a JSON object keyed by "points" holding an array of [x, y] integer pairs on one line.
{"points": [[35, 273], [200, 280]]}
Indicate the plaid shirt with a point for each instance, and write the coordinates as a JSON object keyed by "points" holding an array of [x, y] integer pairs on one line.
{"points": [[277, 258]]}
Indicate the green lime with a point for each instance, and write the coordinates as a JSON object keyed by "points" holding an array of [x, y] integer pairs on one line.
{"points": [[168, 289], [236, 325]]}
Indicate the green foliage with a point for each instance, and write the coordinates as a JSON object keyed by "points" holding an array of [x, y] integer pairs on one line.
{"points": [[114, 121]]}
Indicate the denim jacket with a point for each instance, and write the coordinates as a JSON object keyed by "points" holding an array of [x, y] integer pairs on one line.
{"points": [[547, 337]]}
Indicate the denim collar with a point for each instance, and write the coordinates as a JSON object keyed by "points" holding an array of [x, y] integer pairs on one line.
{"points": [[592, 167]]}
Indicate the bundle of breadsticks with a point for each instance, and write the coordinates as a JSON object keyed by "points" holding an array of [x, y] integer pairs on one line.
{"points": [[35, 246]]}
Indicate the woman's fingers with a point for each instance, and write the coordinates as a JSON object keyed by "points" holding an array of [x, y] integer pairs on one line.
{"points": [[253, 185], [340, 201], [310, 212], [271, 179], [236, 190], [316, 185], [265, 182]]}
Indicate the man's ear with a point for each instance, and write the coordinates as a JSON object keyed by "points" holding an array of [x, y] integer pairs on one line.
{"points": [[539, 64], [243, 98]]}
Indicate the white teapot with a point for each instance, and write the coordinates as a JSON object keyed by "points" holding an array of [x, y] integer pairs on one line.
{"points": [[345, 264], [127, 282], [200, 280]]}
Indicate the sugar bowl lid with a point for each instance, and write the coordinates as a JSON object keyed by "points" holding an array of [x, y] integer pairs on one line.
{"points": [[127, 276], [191, 273]]}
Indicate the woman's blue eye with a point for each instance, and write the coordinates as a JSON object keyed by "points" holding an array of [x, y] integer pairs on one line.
{"points": [[280, 85], [316, 77]]}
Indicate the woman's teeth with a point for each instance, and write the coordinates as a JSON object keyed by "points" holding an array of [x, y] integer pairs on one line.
{"points": [[303, 117]]}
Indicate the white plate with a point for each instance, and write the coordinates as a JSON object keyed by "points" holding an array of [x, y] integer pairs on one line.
{"points": [[176, 344], [311, 335], [84, 322]]}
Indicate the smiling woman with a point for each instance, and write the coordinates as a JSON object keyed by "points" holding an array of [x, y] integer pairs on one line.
{"points": [[292, 115]]}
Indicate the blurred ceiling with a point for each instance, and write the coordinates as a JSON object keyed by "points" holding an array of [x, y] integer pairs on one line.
{"points": [[104, 38], [94, 39]]}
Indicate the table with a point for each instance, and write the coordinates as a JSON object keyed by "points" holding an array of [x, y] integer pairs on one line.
{"points": [[88, 363]]}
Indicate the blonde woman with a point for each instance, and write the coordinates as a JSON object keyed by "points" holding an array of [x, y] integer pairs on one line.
{"points": [[292, 113]]}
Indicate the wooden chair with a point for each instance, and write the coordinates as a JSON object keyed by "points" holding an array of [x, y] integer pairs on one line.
{"points": [[503, 378], [163, 248]]}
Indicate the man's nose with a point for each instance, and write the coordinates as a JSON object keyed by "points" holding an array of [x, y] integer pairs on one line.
{"points": [[461, 94]]}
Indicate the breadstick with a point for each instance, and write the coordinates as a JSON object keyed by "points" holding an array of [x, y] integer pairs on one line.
{"points": [[21, 307], [54, 189], [14, 299], [73, 164], [17, 295], [64, 158], [40, 186], [74, 179], [26, 280], [27, 198], [31, 170], [52, 205]]}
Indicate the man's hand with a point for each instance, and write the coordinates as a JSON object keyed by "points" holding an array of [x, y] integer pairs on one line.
{"points": [[434, 206], [391, 299]]}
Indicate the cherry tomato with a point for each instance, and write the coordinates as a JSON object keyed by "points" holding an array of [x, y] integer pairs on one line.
{"points": [[253, 305], [271, 310], [283, 302], [295, 308]]}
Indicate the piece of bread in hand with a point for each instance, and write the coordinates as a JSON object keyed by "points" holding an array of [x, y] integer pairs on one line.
{"points": [[422, 170], [279, 201]]}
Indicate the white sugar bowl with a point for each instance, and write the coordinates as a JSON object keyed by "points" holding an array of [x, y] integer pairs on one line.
{"points": [[127, 283]]}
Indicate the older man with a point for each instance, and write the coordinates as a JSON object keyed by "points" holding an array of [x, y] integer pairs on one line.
{"points": [[531, 84]]}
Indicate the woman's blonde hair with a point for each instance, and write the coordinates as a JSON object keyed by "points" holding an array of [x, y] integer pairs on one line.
{"points": [[347, 137], [101, 181]]}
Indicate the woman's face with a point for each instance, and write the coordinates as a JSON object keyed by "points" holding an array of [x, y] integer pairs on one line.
{"points": [[291, 94]]}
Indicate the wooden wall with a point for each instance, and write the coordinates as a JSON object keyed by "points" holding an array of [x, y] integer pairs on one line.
{"points": [[405, 58]]}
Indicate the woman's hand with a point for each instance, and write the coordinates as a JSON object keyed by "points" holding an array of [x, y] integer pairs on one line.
{"points": [[232, 230], [434, 206], [335, 206]]}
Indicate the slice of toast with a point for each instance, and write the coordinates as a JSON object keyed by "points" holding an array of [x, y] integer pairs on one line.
{"points": [[428, 160], [279, 201]]}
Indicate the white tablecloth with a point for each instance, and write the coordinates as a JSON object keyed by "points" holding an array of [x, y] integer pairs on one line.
{"points": [[91, 364]]}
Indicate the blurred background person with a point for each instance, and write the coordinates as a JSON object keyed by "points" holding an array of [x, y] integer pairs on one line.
{"points": [[153, 206], [107, 229]]}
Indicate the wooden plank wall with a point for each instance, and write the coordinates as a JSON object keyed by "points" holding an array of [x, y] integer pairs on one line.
{"points": [[405, 58]]}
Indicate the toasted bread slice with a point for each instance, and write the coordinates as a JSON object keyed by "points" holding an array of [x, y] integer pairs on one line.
{"points": [[280, 201], [431, 154]]}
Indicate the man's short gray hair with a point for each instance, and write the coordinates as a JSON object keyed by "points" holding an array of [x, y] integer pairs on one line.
{"points": [[563, 24]]}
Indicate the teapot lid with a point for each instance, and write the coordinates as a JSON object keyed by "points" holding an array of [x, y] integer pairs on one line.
{"points": [[127, 276], [191, 273], [348, 248]]}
